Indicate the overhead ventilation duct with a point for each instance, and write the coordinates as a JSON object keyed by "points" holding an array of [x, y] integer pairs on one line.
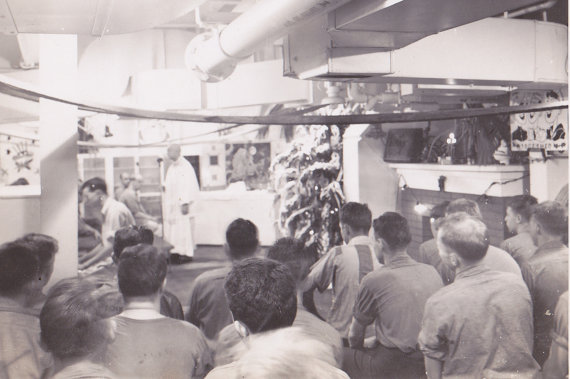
{"points": [[213, 56], [492, 51]]}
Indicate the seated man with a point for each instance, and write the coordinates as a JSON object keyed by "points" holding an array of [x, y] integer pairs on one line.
{"points": [[546, 272], [75, 328], [21, 356], [106, 274], [345, 266], [262, 298], [520, 246], [44, 247], [393, 297], [298, 259], [480, 326], [147, 344], [208, 306], [115, 216], [130, 197]]}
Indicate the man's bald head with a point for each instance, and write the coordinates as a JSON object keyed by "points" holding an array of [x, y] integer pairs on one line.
{"points": [[173, 152]]}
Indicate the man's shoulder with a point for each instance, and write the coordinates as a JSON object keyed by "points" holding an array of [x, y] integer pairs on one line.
{"points": [[227, 371], [219, 273]]}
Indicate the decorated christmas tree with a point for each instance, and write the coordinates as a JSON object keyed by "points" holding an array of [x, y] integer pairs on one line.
{"points": [[308, 180]]}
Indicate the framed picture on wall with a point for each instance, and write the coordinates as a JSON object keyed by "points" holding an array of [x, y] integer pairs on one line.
{"points": [[248, 162]]}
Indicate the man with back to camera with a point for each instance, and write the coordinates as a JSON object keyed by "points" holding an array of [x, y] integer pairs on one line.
{"points": [[180, 190], [21, 356], [208, 305], [393, 297], [495, 258], [546, 272], [293, 254], [262, 298], [345, 266], [106, 275], [148, 344], [520, 246], [480, 326]]}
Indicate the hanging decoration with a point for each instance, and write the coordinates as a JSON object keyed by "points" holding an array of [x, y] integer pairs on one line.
{"points": [[19, 163], [546, 130]]}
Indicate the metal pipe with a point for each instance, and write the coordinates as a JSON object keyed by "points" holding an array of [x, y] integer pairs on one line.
{"points": [[214, 56], [533, 8]]}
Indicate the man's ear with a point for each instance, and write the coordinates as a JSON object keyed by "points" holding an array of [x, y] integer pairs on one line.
{"points": [[227, 250], [519, 219], [241, 328]]}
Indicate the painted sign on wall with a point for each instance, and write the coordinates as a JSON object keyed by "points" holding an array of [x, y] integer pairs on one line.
{"points": [[539, 130]]}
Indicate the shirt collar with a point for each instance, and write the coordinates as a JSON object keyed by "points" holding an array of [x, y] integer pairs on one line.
{"points": [[549, 246], [106, 204], [360, 240], [470, 271], [400, 260]]}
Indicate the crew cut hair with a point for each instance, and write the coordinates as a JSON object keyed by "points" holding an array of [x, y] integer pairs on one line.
{"points": [[142, 270], [393, 228], [45, 247], [522, 205], [73, 320], [552, 216], [464, 205], [295, 255], [242, 238], [356, 215], [19, 265], [466, 235], [261, 294], [130, 236]]}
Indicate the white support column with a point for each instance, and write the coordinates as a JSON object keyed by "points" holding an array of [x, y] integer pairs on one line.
{"points": [[547, 178], [58, 140], [350, 165]]}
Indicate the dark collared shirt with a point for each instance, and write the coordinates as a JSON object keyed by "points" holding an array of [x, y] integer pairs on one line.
{"points": [[480, 326], [546, 275], [394, 296]]}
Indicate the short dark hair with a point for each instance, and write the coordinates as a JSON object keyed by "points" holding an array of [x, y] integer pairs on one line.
{"points": [[130, 236], [464, 205], [19, 265], [142, 270], [95, 184], [295, 255], [438, 210], [356, 215], [261, 293], [522, 205], [242, 238], [393, 228], [72, 321], [552, 216], [44, 246], [466, 234]]}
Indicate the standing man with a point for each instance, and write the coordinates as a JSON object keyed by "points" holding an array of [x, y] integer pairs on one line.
{"points": [[480, 326], [521, 246], [180, 191], [393, 298], [546, 272], [345, 266]]}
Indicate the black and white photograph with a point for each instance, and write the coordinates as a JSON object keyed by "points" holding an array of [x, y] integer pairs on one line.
{"points": [[303, 189]]}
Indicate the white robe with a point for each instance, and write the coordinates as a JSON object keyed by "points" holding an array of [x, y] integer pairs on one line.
{"points": [[180, 187]]}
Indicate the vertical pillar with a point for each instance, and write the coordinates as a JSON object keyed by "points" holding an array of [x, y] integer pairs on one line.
{"points": [[350, 162], [58, 150], [547, 177]]}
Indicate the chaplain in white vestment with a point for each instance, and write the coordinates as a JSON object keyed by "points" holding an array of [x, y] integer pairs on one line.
{"points": [[180, 191]]}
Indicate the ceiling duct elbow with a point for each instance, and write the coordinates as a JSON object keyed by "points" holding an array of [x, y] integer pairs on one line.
{"points": [[213, 56]]}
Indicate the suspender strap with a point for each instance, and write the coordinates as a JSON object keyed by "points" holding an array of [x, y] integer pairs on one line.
{"points": [[364, 261]]}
